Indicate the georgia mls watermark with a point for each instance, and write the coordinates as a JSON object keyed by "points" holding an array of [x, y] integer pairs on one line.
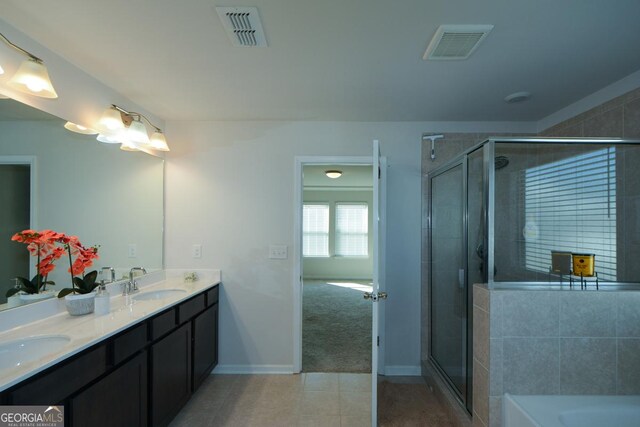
{"points": [[31, 416]]}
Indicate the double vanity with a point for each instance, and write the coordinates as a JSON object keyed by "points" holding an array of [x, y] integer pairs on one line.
{"points": [[136, 366]]}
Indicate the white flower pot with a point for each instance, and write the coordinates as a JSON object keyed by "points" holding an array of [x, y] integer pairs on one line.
{"points": [[29, 298], [79, 304]]}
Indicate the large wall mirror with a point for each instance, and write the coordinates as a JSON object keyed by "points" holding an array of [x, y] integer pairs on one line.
{"points": [[51, 178]]}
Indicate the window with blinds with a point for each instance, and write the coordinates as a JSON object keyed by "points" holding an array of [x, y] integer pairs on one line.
{"points": [[570, 205], [315, 230], [352, 229]]}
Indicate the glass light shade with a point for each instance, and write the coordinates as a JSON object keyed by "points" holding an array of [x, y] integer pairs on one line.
{"points": [[110, 122], [128, 146], [32, 78], [79, 129], [1, 70], [159, 142], [108, 139], [333, 174], [137, 133]]}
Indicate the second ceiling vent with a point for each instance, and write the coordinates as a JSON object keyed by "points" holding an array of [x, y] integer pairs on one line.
{"points": [[242, 25], [455, 42]]}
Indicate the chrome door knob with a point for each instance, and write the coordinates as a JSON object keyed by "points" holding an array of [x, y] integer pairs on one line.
{"points": [[382, 295], [368, 295]]}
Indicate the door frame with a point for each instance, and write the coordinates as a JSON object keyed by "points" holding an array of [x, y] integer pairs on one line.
{"points": [[33, 220], [300, 162]]}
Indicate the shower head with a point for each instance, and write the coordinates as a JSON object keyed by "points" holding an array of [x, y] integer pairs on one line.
{"points": [[501, 162]]}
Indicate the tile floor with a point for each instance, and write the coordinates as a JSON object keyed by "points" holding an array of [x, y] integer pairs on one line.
{"points": [[311, 399]]}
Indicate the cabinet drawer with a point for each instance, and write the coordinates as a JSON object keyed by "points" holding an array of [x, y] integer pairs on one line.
{"points": [[189, 309], [212, 296], [163, 323], [55, 386], [129, 343]]}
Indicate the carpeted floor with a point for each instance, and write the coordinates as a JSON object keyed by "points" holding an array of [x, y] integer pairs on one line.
{"points": [[336, 328]]}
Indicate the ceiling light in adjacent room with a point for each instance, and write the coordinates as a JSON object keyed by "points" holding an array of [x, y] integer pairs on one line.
{"points": [[333, 173], [79, 129], [517, 97]]}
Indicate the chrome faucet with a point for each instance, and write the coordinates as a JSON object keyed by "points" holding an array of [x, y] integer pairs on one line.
{"points": [[133, 284], [112, 273]]}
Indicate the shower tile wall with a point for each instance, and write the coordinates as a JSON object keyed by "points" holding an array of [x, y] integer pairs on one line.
{"points": [[554, 342]]}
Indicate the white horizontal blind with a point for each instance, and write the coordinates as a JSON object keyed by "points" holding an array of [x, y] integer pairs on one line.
{"points": [[573, 205], [352, 229], [315, 230]]}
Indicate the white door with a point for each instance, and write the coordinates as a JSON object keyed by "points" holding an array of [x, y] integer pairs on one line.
{"points": [[377, 294]]}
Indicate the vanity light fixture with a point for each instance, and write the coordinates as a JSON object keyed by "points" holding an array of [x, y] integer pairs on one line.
{"points": [[32, 76], [79, 129], [333, 173], [127, 128]]}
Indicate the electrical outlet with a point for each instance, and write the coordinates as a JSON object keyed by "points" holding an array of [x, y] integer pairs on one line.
{"points": [[277, 251], [196, 251], [132, 250]]}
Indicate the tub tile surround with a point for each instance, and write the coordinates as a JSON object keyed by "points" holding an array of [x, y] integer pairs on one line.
{"points": [[558, 342], [85, 331]]}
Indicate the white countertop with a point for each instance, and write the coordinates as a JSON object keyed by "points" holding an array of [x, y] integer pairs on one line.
{"points": [[85, 331]]}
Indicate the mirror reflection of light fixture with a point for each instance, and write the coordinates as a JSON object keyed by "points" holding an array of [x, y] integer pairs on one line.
{"points": [[32, 76], [79, 129], [333, 173], [127, 128]]}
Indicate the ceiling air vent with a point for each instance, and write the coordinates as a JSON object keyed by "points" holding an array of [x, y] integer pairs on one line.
{"points": [[454, 42], [242, 25]]}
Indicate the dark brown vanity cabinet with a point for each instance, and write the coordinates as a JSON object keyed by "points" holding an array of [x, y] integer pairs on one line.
{"points": [[205, 344], [119, 399], [141, 377], [170, 386]]}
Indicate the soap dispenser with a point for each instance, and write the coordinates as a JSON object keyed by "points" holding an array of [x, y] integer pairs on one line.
{"points": [[103, 300]]}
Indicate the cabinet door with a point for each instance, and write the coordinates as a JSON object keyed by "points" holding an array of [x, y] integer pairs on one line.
{"points": [[119, 399], [170, 375], [205, 344]]}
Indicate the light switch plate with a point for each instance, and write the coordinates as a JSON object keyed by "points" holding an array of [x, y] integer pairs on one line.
{"points": [[277, 252], [132, 250]]}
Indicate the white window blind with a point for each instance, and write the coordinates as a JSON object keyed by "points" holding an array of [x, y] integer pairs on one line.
{"points": [[352, 229], [315, 230], [573, 205]]}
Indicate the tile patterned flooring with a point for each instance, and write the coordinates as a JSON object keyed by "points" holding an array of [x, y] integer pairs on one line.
{"points": [[308, 399]]}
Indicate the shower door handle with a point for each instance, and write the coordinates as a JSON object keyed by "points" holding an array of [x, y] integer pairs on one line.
{"points": [[461, 278]]}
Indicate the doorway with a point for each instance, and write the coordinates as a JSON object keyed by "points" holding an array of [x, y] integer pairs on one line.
{"points": [[337, 267], [15, 215]]}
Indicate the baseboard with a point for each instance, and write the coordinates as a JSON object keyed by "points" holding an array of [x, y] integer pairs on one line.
{"points": [[253, 369], [402, 371]]}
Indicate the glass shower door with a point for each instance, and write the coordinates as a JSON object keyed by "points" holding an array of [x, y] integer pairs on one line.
{"points": [[448, 293]]}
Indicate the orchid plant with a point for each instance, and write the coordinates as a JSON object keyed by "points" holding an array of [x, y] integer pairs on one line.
{"points": [[40, 244], [49, 246]]}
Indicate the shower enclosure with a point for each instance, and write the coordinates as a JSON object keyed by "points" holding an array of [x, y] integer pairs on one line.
{"points": [[499, 210]]}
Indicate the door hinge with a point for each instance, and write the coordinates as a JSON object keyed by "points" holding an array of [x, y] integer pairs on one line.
{"points": [[379, 172], [378, 343]]}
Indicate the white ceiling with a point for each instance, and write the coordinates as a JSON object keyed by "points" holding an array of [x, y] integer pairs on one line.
{"points": [[341, 59]]}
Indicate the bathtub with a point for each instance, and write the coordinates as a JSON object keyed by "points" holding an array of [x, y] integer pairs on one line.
{"points": [[570, 411]]}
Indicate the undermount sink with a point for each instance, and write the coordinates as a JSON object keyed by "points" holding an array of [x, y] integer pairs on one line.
{"points": [[159, 294], [18, 352]]}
